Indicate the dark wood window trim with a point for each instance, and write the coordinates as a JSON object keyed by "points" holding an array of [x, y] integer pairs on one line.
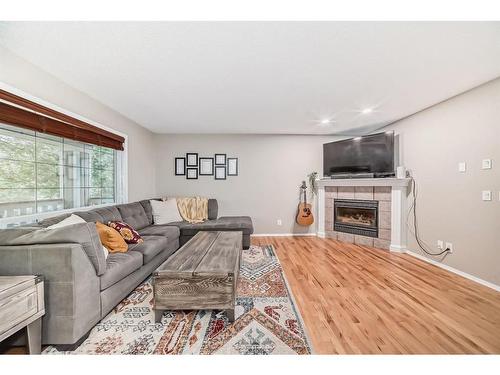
{"points": [[39, 118]]}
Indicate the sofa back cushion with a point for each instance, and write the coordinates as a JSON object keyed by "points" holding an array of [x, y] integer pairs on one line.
{"points": [[147, 208], [134, 215], [53, 220], [133, 212], [102, 214]]}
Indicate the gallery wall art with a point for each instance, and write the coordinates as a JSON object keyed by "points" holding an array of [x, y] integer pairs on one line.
{"points": [[193, 166]]}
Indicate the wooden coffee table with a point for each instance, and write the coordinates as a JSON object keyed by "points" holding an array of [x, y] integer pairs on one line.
{"points": [[202, 274]]}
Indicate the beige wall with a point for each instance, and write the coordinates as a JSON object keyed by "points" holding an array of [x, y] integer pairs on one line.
{"points": [[26, 77], [432, 143], [271, 167]]}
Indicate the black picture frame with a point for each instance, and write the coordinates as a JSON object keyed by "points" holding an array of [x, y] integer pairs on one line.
{"points": [[201, 163], [220, 168], [229, 169], [218, 156], [191, 154], [176, 169], [194, 170]]}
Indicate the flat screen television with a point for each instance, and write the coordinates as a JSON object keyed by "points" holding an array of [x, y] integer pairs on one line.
{"points": [[369, 155]]}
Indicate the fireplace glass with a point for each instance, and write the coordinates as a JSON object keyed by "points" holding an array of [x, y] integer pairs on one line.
{"points": [[356, 217]]}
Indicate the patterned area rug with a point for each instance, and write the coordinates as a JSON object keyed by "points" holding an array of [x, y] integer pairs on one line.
{"points": [[267, 320]]}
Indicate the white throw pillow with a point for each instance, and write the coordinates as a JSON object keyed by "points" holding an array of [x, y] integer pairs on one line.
{"points": [[74, 219], [165, 212], [70, 220]]}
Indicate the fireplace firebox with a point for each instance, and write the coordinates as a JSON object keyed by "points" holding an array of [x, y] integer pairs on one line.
{"points": [[356, 217]]}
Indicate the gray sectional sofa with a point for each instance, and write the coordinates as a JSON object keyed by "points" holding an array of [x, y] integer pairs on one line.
{"points": [[81, 286]]}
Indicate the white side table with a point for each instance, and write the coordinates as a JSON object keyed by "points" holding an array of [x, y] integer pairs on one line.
{"points": [[22, 305]]}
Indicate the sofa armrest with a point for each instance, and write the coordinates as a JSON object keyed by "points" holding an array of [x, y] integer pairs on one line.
{"points": [[84, 234], [72, 288], [213, 208]]}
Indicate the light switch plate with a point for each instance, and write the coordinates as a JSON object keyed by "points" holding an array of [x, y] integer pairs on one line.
{"points": [[486, 164], [486, 195], [462, 166]]}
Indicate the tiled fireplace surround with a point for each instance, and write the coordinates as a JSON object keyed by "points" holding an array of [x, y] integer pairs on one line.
{"points": [[391, 194], [382, 194]]}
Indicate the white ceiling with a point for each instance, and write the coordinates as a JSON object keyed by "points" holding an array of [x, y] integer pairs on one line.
{"points": [[262, 77]]}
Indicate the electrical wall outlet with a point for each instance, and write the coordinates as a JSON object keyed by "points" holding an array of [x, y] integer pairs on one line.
{"points": [[462, 166], [279, 222], [486, 195], [440, 245], [449, 246], [486, 164]]}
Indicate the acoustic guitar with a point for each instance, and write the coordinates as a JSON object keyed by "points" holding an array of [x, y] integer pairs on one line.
{"points": [[304, 213]]}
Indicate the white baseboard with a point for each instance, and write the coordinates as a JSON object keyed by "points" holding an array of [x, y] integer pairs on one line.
{"points": [[397, 249], [282, 234], [454, 270]]}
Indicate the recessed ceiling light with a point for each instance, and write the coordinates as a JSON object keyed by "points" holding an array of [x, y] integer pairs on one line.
{"points": [[367, 110], [325, 121], [357, 138]]}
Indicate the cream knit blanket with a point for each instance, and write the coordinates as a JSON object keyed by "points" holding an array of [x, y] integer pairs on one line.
{"points": [[193, 209]]}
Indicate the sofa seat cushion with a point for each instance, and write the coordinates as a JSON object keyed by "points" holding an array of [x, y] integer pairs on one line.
{"points": [[225, 223], [169, 231], [119, 266], [151, 247], [134, 215]]}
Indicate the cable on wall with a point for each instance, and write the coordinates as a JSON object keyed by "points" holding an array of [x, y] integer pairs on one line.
{"points": [[413, 208]]}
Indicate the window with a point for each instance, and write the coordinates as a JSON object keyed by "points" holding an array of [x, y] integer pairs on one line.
{"points": [[41, 173]]}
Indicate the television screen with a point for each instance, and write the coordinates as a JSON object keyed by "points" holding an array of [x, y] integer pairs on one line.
{"points": [[369, 154]]}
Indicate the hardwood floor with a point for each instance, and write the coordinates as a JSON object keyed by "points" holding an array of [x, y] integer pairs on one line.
{"points": [[362, 300], [357, 299]]}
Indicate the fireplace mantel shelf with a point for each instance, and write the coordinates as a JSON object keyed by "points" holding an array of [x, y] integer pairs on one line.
{"points": [[394, 182]]}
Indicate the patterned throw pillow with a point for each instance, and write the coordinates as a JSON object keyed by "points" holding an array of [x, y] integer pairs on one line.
{"points": [[128, 233]]}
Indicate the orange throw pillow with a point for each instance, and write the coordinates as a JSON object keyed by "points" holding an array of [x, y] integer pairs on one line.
{"points": [[111, 239]]}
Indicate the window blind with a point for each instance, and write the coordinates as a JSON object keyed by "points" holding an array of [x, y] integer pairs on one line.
{"points": [[18, 111]]}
